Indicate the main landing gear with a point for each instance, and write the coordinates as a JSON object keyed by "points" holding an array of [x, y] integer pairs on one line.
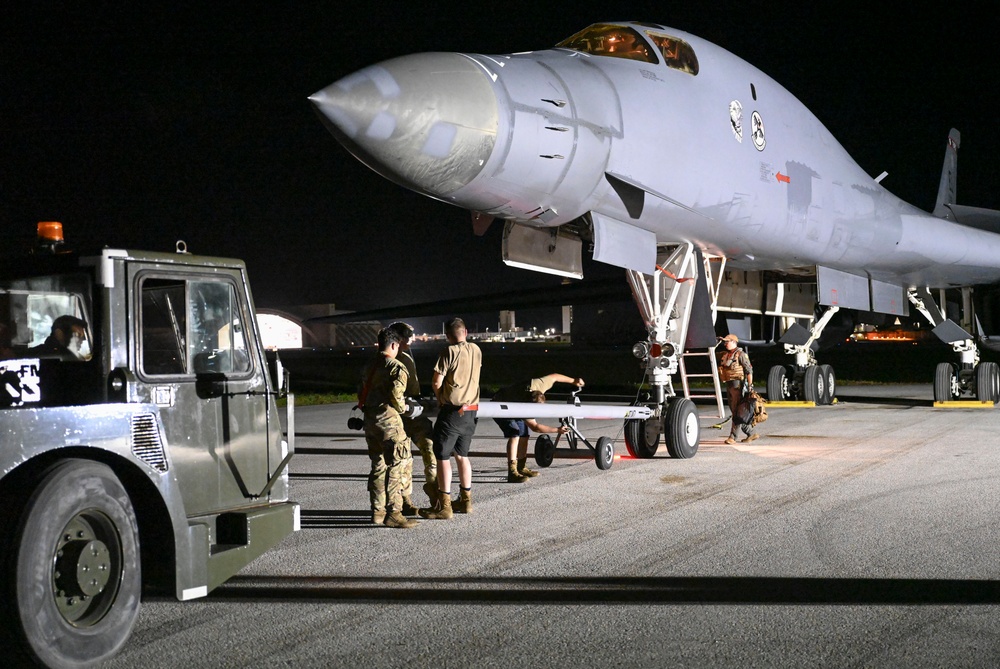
{"points": [[952, 381], [969, 377], [815, 383], [804, 380]]}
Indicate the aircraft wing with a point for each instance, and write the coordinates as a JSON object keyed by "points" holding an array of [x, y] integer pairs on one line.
{"points": [[587, 292]]}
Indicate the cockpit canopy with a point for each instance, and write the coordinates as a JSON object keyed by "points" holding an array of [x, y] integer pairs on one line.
{"points": [[622, 41]]}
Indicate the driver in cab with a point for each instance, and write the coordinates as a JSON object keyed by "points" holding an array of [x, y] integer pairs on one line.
{"points": [[67, 341]]}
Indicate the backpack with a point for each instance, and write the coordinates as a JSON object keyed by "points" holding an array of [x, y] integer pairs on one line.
{"points": [[751, 410], [759, 408]]}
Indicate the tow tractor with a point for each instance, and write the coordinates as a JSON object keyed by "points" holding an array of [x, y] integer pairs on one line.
{"points": [[140, 442]]}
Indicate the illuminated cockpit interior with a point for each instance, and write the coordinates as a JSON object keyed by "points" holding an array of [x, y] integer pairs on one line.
{"points": [[618, 41], [603, 39]]}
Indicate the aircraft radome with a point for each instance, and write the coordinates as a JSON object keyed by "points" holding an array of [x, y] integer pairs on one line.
{"points": [[713, 186]]}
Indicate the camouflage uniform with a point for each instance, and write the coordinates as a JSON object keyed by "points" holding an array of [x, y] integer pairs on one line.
{"points": [[419, 429], [388, 445]]}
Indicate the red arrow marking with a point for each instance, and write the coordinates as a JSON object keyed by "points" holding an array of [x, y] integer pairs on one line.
{"points": [[782, 177]]}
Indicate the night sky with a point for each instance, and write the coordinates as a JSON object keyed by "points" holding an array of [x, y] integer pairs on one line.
{"points": [[138, 127]]}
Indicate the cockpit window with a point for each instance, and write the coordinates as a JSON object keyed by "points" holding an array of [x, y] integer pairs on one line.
{"points": [[610, 40], [677, 53]]}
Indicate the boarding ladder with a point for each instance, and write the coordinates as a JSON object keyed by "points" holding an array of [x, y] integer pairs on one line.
{"points": [[713, 365]]}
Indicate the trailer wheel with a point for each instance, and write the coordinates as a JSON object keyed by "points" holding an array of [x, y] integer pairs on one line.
{"points": [[73, 568], [545, 450], [681, 428], [642, 437], [604, 454]]}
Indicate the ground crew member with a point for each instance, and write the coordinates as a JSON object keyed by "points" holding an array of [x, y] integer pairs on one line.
{"points": [[516, 429], [456, 385], [419, 429], [388, 446], [67, 340], [734, 370]]}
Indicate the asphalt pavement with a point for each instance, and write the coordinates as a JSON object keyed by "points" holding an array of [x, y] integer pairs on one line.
{"points": [[862, 534]]}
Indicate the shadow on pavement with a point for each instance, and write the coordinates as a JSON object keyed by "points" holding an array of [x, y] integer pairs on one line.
{"points": [[562, 591]]}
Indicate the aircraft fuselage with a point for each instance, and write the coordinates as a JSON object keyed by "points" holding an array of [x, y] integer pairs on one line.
{"points": [[724, 157]]}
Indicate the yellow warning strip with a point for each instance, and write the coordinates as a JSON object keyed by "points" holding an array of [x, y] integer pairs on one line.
{"points": [[790, 404], [964, 404]]}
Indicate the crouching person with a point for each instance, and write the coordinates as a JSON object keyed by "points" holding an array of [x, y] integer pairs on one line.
{"points": [[516, 429]]}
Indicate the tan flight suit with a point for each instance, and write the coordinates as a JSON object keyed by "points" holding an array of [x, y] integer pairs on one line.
{"points": [[419, 429], [388, 445], [460, 365]]}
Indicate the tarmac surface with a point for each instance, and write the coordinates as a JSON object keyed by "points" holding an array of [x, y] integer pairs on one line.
{"points": [[863, 534]]}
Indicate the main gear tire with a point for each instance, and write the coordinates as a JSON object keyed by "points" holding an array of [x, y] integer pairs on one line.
{"points": [[778, 384], [811, 385], [828, 383], [73, 568], [943, 375], [987, 380], [681, 428]]}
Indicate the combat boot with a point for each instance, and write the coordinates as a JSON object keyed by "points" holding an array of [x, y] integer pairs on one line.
{"points": [[441, 509], [431, 488], [464, 502], [408, 508], [514, 476], [398, 520], [522, 468], [378, 516]]}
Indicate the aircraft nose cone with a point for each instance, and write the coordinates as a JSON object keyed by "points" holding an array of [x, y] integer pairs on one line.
{"points": [[426, 121]]}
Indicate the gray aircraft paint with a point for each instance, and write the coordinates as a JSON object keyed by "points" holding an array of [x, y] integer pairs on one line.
{"points": [[530, 137]]}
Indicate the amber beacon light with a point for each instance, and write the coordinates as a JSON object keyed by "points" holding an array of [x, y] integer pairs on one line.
{"points": [[50, 232]]}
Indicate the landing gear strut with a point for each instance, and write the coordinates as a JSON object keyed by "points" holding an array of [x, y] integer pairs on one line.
{"points": [[805, 380], [969, 376], [664, 301]]}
